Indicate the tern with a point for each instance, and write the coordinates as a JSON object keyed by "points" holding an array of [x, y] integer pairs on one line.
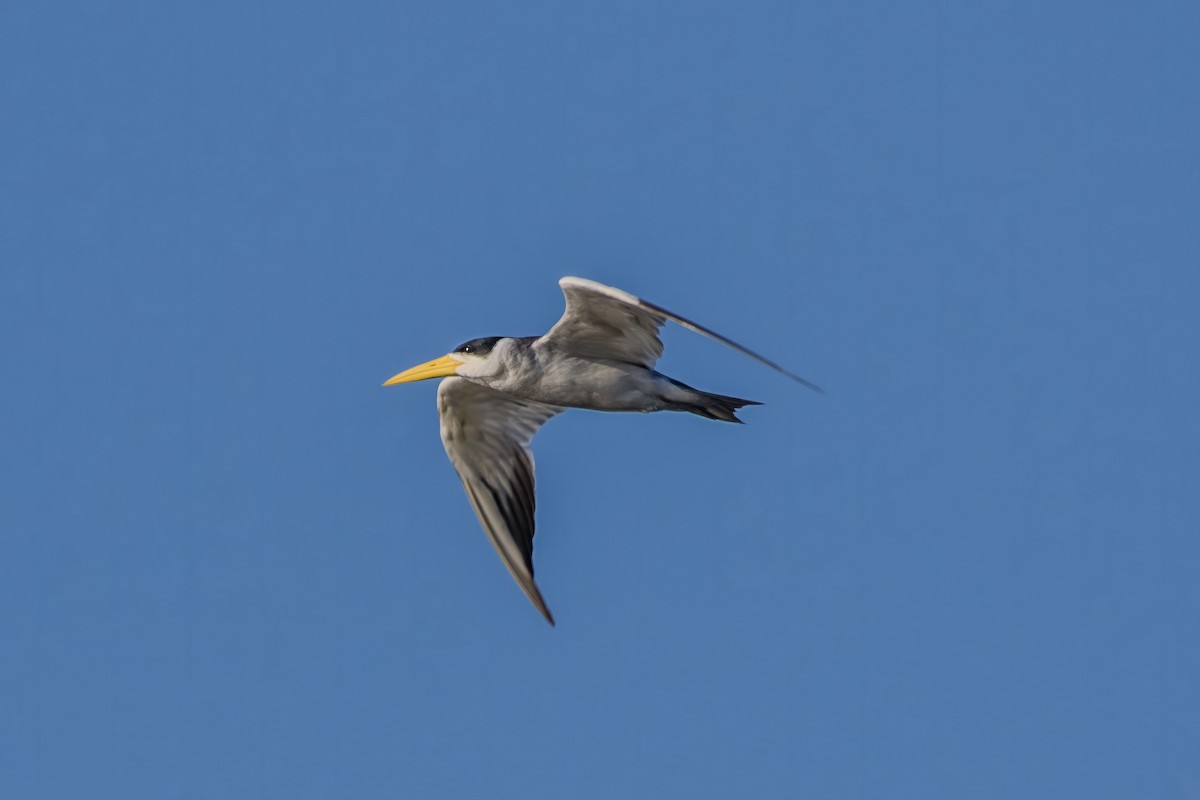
{"points": [[499, 390]]}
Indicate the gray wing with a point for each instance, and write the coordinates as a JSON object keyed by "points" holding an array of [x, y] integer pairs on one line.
{"points": [[487, 435], [603, 322]]}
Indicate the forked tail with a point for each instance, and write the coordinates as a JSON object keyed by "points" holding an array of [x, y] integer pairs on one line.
{"points": [[715, 406]]}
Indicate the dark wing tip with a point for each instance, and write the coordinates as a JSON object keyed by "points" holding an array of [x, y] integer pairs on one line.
{"points": [[804, 382], [696, 327], [541, 605], [785, 372]]}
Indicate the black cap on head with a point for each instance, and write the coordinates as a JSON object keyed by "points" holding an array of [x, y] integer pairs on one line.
{"points": [[478, 347]]}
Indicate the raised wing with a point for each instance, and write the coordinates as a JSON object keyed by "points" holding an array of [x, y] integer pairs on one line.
{"points": [[603, 322], [487, 434]]}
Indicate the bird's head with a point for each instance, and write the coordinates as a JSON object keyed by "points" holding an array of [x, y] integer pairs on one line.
{"points": [[469, 359]]}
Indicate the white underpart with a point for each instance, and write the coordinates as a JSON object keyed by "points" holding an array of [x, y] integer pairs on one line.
{"points": [[548, 375]]}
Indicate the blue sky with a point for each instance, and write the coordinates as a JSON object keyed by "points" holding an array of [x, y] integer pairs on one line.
{"points": [[235, 567]]}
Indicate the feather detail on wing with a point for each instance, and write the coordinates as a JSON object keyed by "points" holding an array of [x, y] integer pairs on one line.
{"points": [[606, 323], [487, 436]]}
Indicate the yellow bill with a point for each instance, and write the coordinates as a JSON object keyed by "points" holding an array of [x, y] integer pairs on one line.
{"points": [[438, 368]]}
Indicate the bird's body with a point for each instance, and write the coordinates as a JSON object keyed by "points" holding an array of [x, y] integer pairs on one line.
{"points": [[500, 390], [542, 373]]}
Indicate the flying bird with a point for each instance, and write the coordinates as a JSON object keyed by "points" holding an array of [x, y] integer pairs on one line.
{"points": [[499, 390]]}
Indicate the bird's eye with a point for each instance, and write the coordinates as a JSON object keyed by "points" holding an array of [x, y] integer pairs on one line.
{"points": [[468, 349]]}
